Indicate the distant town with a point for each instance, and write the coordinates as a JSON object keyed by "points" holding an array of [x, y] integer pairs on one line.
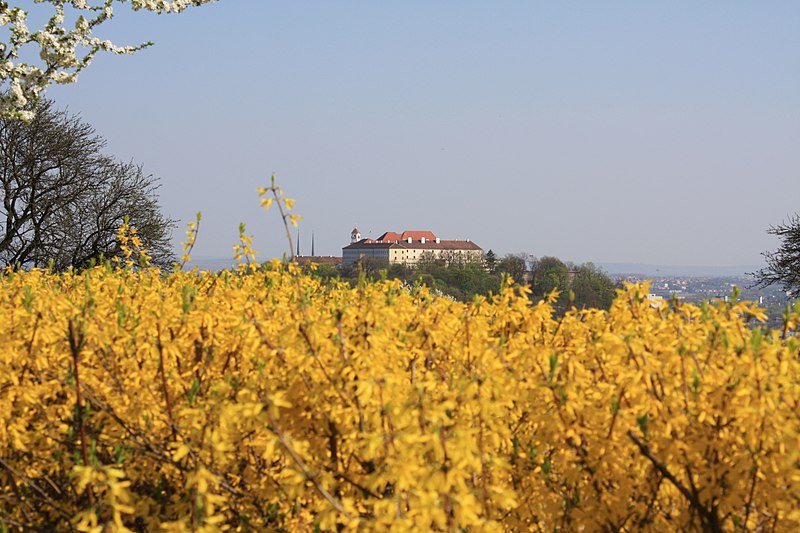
{"points": [[708, 288], [698, 289]]}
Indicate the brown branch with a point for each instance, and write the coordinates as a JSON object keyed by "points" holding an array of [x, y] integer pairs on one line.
{"points": [[315, 354], [277, 193], [164, 389], [707, 517], [76, 341], [614, 415], [5, 520], [309, 475], [342, 477], [645, 449], [754, 478], [342, 346], [28, 481]]}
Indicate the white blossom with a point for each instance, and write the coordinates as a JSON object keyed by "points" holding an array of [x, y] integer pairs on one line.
{"points": [[17, 94], [63, 52], [65, 77]]}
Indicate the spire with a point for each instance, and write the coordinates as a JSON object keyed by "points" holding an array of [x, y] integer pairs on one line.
{"points": [[298, 243], [312, 245]]}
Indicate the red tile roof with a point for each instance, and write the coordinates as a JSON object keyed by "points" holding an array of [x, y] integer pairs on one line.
{"points": [[371, 243], [392, 239], [418, 235], [428, 245], [391, 236]]}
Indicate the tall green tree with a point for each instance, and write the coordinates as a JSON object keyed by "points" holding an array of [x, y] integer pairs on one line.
{"points": [[548, 274], [491, 261], [592, 288]]}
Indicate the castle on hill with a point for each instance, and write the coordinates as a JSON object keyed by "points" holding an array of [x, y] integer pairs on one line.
{"points": [[408, 247]]}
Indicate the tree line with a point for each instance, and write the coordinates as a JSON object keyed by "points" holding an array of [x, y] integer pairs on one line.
{"points": [[579, 285]]}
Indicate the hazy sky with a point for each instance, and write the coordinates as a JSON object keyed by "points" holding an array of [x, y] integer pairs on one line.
{"points": [[654, 132]]}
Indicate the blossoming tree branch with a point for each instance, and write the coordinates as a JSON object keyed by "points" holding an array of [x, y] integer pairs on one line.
{"points": [[66, 44]]}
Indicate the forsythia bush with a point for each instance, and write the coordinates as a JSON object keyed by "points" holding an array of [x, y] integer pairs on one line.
{"points": [[135, 400]]}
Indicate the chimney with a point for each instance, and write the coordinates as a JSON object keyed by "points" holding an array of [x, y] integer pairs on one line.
{"points": [[422, 240], [409, 240], [438, 240]]}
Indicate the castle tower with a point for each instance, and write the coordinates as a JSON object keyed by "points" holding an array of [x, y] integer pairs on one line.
{"points": [[355, 236]]}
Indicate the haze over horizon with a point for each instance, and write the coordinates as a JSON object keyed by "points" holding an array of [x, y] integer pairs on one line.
{"points": [[610, 132]]}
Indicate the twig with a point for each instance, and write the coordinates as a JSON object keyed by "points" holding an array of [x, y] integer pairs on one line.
{"points": [[310, 476], [325, 373], [362, 488], [163, 376], [708, 518], [64, 513], [75, 345]]}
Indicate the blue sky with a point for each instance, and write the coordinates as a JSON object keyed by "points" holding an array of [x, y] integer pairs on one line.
{"points": [[651, 132]]}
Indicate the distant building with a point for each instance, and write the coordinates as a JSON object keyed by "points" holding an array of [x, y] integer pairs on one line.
{"points": [[408, 247], [313, 258], [318, 259]]}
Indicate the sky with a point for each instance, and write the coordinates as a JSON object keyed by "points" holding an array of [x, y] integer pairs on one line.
{"points": [[649, 132]]}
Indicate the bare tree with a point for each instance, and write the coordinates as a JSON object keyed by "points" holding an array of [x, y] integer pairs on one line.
{"points": [[62, 199], [516, 266], [783, 264]]}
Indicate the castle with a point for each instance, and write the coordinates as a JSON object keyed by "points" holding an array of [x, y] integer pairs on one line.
{"points": [[408, 248]]}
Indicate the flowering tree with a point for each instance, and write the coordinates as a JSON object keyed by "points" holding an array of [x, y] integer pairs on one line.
{"points": [[66, 45]]}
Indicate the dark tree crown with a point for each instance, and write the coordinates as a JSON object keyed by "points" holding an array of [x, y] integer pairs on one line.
{"points": [[783, 264], [62, 199]]}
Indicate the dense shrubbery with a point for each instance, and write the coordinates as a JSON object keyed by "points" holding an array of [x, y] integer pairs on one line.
{"points": [[272, 400]]}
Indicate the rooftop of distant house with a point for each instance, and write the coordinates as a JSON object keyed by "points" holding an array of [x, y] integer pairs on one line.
{"points": [[391, 236], [416, 239]]}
